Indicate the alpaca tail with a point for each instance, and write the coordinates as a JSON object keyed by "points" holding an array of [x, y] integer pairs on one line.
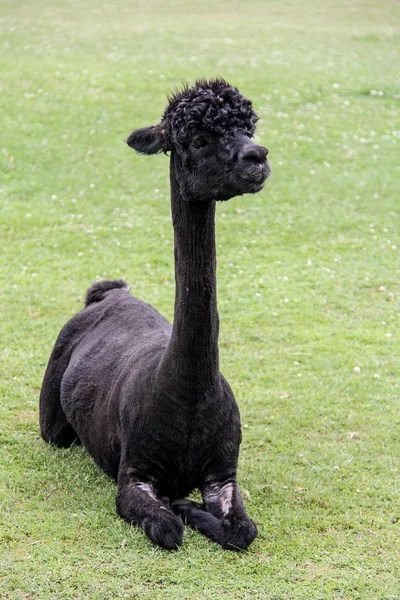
{"points": [[98, 290]]}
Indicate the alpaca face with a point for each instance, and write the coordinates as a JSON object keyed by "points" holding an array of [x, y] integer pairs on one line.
{"points": [[208, 130], [219, 167], [207, 165]]}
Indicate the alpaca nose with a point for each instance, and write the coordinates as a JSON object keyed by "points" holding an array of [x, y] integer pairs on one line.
{"points": [[254, 153]]}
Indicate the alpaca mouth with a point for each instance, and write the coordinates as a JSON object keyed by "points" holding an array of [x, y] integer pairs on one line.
{"points": [[257, 176]]}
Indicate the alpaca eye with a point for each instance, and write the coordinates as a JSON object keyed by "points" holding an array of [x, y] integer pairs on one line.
{"points": [[199, 143]]}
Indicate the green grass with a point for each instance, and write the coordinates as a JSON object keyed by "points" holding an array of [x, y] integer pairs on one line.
{"points": [[308, 286]]}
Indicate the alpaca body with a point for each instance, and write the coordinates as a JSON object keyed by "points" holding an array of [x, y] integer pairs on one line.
{"points": [[147, 399], [166, 431]]}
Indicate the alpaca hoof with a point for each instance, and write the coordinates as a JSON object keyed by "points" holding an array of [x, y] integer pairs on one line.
{"points": [[238, 533], [166, 530]]}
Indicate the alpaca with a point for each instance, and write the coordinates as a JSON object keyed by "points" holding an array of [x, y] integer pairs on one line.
{"points": [[144, 397]]}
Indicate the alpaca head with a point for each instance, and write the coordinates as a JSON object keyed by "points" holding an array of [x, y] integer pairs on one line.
{"points": [[208, 130]]}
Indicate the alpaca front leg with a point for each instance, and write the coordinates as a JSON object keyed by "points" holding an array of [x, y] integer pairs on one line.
{"points": [[223, 500], [138, 503]]}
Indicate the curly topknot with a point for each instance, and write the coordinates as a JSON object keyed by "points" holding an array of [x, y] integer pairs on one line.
{"points": [[213, 106]]}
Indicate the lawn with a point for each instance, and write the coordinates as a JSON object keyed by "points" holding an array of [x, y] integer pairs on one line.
{"points": [[308, 286]]}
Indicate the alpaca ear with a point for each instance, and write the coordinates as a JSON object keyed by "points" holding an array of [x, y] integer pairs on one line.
{"points": [[148, 140]]}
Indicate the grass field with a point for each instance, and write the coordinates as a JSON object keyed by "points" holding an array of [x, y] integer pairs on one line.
{"points": [[308, 286]]}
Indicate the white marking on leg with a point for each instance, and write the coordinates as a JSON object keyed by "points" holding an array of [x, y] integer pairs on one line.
{"points": [[222, 496], [226, 498], [145, 487]]}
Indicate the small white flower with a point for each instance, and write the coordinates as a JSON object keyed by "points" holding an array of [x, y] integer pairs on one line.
{"points": [[356, 370], [92, 185], [376, 376]]}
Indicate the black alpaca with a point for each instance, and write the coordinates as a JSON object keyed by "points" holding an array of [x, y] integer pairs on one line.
{"points": [[147, 399]]}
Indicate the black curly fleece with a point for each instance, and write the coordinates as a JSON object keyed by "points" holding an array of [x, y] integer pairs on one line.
{"points": [[213, 106]]}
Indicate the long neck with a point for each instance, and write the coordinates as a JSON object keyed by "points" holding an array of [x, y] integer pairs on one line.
{"points": [[192, 354]]}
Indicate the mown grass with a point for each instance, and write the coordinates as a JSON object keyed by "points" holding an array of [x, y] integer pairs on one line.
{"points": [[308, 286]]}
